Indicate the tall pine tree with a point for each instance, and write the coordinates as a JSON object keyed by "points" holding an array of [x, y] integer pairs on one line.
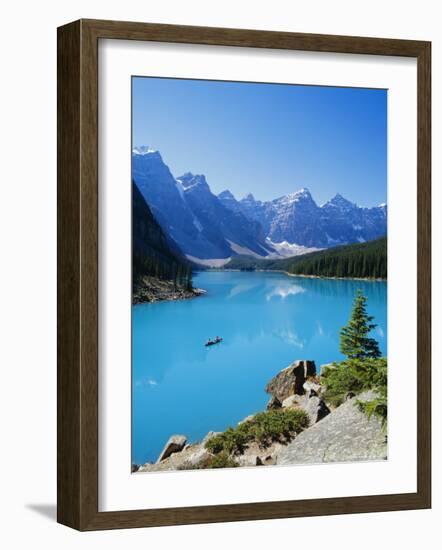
{"points": [[355, 342]]}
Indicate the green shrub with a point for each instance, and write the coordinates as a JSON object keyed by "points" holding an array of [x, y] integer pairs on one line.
{"points": [[269, 426], [357, 375], [339, 381], [232, 440], [264, 428], [221, 460], [376, 375], [377, 407]]}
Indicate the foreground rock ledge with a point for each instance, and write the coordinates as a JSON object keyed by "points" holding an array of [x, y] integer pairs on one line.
{"points": [[340, 435], [346, 434]]}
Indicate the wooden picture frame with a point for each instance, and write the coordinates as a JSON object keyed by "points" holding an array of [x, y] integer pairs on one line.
{"points": [[78, 274]]}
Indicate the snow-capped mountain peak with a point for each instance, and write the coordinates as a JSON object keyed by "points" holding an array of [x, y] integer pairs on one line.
{"points": [[189, 181], [249, 197], [185, 179], [226, 195], [338, 201], [144, 150], [297, 219], [301, 194], [304, 191]]}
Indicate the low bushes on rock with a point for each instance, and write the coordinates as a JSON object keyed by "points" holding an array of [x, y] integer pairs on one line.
{"points": [[354, 376], [264, 427], [221, 460], [339, 381]]}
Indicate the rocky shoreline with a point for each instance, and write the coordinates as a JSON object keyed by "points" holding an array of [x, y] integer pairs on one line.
{"points": [[151, 289], [329, 434]]}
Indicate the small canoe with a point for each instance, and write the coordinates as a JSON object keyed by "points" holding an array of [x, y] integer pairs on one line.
{"points": [[213, 342]]}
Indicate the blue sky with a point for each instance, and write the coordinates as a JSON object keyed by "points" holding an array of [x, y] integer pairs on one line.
{"points": [[267, 139]]}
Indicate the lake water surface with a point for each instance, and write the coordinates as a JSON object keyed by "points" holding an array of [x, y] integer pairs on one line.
{"points": [[267, 321]]}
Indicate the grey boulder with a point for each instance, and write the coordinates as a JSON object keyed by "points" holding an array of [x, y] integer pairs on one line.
{"points": [[314, 406], [175, 444], [290, 380], [274, 403]]}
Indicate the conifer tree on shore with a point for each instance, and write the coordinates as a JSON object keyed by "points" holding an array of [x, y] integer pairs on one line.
{"points": [[355, 342]]}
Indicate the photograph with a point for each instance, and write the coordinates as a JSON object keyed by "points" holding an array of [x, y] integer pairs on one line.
{"points": [[218, 300], [259, 274]]}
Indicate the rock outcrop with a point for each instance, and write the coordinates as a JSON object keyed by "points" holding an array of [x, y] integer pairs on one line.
{"points": [[311, 403], [274, 403], [152, 289], [298, 387], [316, 408], [256, 455], [346, 434], [312, 388], [187, 459], [175, 444], [290, 381]]}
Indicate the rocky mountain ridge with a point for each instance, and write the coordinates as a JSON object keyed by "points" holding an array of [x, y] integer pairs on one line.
{"points": [[209, 227], [297, 219]]}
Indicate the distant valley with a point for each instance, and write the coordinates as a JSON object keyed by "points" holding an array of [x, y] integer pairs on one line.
{"points": [[355, 261]]}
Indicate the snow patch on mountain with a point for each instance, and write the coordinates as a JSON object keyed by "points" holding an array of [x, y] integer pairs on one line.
{"points": [[180, 187], [331, 241], [287, 250], [243, 250], [213, 262], [189, 181], [197, 224], [143, 150], [297, 196]]}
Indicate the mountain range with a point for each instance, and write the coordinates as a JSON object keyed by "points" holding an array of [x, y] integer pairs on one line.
{"points": [[210, 229]]}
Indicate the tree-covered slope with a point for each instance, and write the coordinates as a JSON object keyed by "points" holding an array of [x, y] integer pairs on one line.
{"points": [[356, 260], [153, 253]]}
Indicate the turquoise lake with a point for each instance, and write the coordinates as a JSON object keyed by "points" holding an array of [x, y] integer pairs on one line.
{"points": [[267, 321]]}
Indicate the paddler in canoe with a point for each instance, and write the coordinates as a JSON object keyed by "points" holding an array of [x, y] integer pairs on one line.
{"points": [[213, 342]]}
